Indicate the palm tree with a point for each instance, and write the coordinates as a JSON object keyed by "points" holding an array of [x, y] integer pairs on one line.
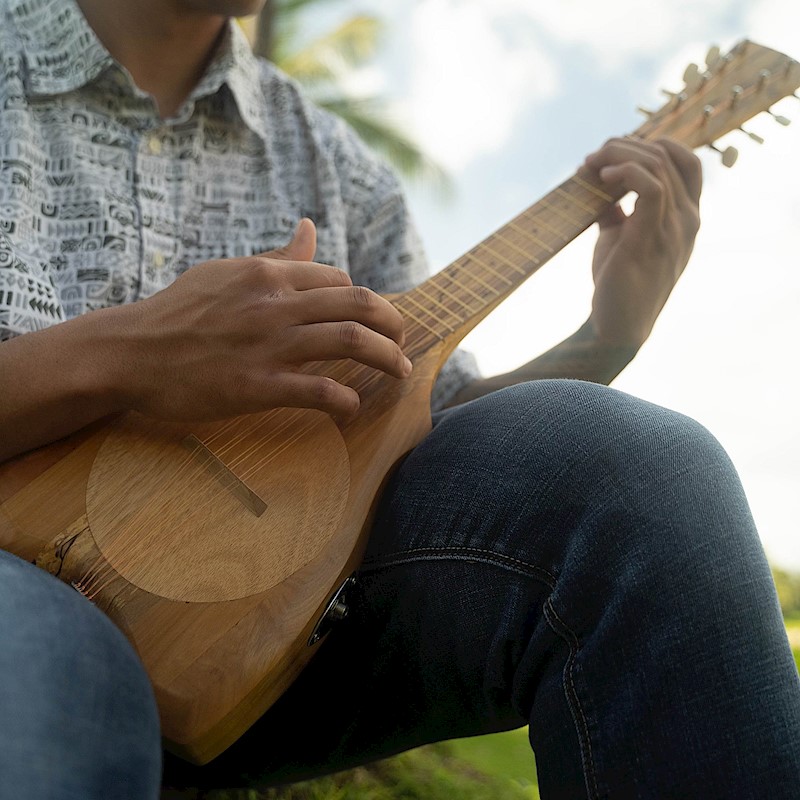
{"points": [[320, 66]]}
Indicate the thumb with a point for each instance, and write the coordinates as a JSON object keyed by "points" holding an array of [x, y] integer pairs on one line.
{"points": [[303, 245]]}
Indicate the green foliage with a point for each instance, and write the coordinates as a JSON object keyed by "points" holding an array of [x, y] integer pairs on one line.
{"points": [[788, 586], [322, 65]]}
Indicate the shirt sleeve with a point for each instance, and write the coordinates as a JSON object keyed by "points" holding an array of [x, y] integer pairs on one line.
{"points": [[28, 299], [384, 247]]}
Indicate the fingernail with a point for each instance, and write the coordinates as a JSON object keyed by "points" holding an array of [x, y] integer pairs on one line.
{"points": [[408, 366]]}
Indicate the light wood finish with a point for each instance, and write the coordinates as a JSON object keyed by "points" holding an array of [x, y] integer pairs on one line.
{"points": [[214, 547]]}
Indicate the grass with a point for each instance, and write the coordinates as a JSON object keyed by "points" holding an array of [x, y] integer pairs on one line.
{"points": [[484, 768]]}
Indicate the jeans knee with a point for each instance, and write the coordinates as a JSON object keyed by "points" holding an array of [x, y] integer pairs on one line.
{"points": [[589, 433], [71, 689]]}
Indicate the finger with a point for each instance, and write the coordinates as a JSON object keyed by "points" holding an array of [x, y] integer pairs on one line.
{"points": [[621, 149], [653, 156], [302, 247], [632, 176], [688, 165], [612, 216], [299, 275], [297, 390], [325, 341], [355, 303]]}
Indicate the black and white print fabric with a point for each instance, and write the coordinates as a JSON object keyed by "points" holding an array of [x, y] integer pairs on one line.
{"points": [[102, 202]]}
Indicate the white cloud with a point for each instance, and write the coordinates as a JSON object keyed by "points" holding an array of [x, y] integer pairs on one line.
{"points": [[776, 23], [618, 29], [471, 80]]}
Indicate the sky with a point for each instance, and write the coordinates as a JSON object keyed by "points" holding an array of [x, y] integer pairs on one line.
{"points": [[510, 95]]}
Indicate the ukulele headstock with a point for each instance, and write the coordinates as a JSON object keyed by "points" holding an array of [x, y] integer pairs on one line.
{"points": [[722, 95]]}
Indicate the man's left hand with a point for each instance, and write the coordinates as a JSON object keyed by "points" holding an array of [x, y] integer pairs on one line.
{"points": [[639, 258]]}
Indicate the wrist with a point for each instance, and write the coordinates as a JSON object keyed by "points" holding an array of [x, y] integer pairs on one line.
{"points": [[103, 344]]}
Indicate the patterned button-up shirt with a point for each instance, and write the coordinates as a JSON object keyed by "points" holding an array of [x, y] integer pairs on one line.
{"points": [[102, 202]]}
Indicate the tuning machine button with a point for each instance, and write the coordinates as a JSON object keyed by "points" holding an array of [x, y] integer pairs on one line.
{"points": [[754, 136], [729, 155], [785, 121]]}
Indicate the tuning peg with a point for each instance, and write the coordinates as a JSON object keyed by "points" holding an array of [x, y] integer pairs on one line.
{"points": [[692, 72], [714, 60], [693, 77], [729, 155], [678, 97], [646, 112], [785, 121], [754, 136]]}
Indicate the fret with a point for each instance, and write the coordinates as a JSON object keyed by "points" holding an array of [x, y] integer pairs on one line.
{"points": [[531, 236], [493, 289], [564, 193], [506, 261], [439, 304], [418, 320], [552, 207], [537, 219], [466, 306], [430, 313], [524, 253], [590, 187], [480, 298]]}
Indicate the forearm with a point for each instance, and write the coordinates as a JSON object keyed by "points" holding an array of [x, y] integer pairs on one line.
{"points": [[581, 356], [56, 381]]}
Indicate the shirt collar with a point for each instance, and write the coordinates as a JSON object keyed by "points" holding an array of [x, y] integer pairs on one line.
{"points": [[60, 50], [62, 53]]}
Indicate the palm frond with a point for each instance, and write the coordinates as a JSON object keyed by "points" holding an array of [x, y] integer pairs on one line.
{"points": [[327, 57], [371, 120], [321, 65]]}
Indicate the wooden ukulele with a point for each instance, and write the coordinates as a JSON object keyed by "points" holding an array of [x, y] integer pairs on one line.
{"points": [[219, 548]]}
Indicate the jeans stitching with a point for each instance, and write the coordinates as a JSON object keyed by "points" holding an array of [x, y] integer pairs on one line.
{"points": [[501, 560], [498, 558], [572, 696]]}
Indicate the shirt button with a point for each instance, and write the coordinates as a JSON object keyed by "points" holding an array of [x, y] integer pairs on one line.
{"points": [[158, 259], [154, 145]]}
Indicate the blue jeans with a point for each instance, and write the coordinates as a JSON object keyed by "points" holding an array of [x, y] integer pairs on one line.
{"points": [[563, 555], [78, 720]]}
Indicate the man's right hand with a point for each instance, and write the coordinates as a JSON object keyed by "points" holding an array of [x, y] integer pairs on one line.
{"points": [[227, 338], [232, 337]]}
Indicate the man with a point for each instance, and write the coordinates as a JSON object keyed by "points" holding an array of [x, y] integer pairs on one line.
{"points": [[616, 597]]}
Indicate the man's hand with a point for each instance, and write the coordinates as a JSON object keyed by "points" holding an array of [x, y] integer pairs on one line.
{"points": [[231, 337], [640, 257], [637, 261]]}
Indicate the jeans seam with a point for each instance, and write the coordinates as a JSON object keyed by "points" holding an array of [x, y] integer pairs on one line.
{"points": [[499, 559], [578, 715]]}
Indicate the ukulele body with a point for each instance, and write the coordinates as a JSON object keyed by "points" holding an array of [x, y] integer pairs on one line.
{"points": [[216, 560]]}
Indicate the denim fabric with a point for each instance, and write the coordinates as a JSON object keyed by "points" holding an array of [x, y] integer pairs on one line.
{"points": [[558, 554], [564, 555], [78, 719]]}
